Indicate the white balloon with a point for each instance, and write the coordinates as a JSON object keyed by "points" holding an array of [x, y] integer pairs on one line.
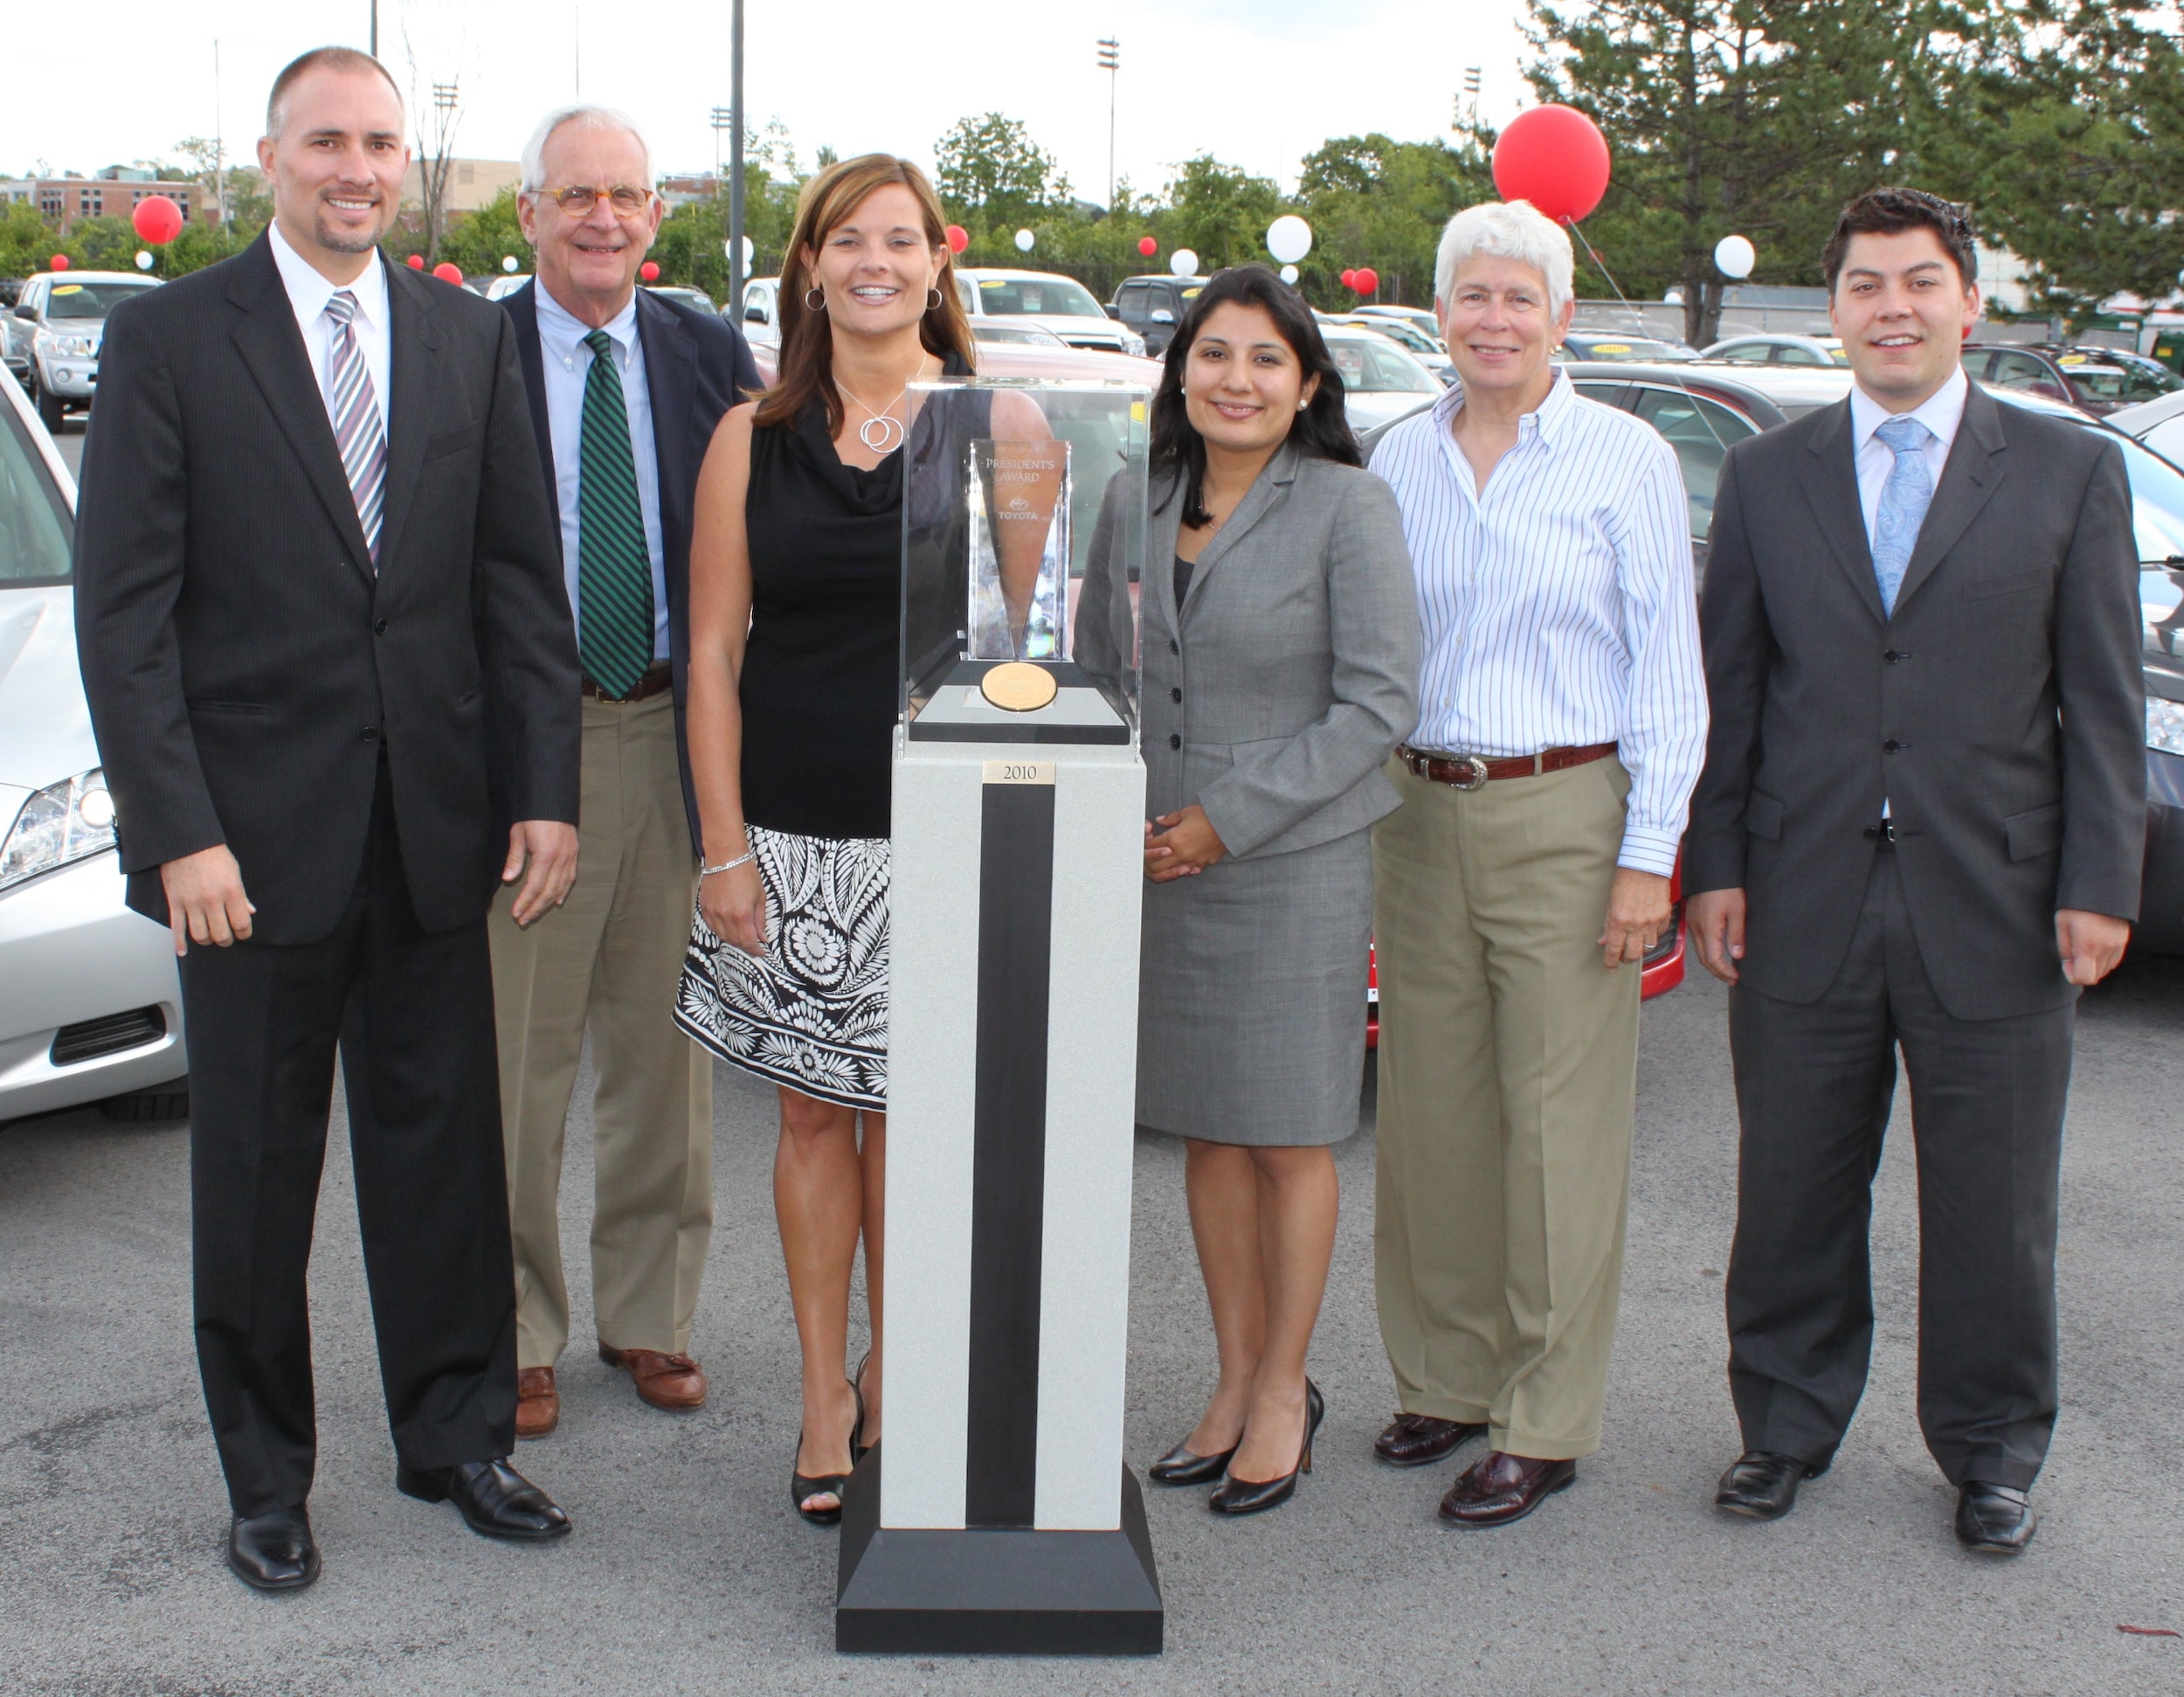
{"points": [[728, 250], [508, 264], [143, 260], [1289, 273], [1734, 256], [1023, 240], [1184, 262], [1288, 239]]}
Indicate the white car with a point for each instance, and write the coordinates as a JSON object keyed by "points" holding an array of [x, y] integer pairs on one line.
{"points": [[2158, 424], [61, 324], [90, 1005], [1380, 380], [1051, 301], [1779, 350]]}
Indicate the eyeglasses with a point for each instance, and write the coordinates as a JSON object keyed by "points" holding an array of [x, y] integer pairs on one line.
{"points": [[578, 202]]}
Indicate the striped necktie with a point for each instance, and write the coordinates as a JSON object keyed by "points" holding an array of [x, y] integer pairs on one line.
{"points": [[1904, 498], [614, 568], [357, 431]]}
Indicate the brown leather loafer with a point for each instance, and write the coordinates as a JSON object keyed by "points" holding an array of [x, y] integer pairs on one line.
{"points": [[674, 1383], [537, 1404], [1412, 1440], [1499, 1487]]}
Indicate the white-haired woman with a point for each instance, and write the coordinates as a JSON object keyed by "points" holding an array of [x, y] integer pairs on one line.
{"points": [[1562, 725]]}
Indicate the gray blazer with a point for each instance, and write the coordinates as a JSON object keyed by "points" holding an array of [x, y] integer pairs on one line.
{"points": [[2000, 711], [1275, 694]]}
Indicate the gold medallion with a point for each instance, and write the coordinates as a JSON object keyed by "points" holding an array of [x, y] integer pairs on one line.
{"points": [[1017, 687]]}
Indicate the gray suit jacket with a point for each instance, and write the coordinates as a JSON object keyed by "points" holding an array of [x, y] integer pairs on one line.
{"points": [[1273, 695], [2000, 711]]}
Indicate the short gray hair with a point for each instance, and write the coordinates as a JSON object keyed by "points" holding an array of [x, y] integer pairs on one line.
{"points": [[584, 117], [1507, 230]]}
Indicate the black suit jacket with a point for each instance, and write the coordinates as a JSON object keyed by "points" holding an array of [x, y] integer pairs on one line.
{"points": [[2000, 711], [696, 367], [244, 664]]}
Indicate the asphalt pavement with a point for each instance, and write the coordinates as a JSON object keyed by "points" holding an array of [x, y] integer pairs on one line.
{"points": [[688, 1573], [69, 440]]}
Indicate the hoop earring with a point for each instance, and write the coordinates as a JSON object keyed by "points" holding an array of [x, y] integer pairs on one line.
{"points": [[932, 303], [820, 305]]}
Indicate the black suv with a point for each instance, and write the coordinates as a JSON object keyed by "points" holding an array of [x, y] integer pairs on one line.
{"points": [[1153, 307]]}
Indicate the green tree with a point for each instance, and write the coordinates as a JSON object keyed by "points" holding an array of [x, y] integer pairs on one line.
{"points": [[990, 173], [479, 241], [1374, 201], [1221, 213]]}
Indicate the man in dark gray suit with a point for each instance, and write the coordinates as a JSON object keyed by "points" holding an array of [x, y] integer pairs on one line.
{"points": [[1920, 824]]}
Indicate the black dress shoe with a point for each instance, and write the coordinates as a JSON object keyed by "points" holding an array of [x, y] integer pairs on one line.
{"points": [[273, 1551], [1249, 1496], [1412, 1440], [1763, 1485], [1499, 1488], [1994, 1518], [1183, 1466], [496, 1501]]}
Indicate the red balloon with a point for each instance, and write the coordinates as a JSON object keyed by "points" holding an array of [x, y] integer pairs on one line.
{"points": [[158, 220], [649, 271], [60, 262], [417, 261], [1555, 158], [448, 272], [1364, 280], [958, 238], [1349, 279], [1148, 246]]}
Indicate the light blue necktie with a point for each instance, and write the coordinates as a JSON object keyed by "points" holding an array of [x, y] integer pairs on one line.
{"points": [[1904, 498]]}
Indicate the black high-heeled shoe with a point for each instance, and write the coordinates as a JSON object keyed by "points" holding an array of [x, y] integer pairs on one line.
{"points": [[1249, 1496], [803, 1486], [1181, 1466]]}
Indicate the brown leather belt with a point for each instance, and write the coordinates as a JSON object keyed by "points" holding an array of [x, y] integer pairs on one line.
{"points": [[1471, 771], [659, 677]]}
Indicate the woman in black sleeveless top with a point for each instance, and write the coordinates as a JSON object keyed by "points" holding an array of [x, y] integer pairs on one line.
{"points": [[796, 598]]}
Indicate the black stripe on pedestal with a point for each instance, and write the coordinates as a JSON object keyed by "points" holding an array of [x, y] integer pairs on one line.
{"points": [[1016, 880]]}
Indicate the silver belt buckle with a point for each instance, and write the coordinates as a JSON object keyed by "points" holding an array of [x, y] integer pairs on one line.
{"points": [[1477, 769]]}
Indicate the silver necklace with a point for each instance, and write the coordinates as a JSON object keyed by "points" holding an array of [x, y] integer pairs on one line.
{"points": [[881, 432]]}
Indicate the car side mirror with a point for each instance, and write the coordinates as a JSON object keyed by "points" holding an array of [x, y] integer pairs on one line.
{"points": [[1114, 312], [28, 313], [1162, 315], [754, 314]]}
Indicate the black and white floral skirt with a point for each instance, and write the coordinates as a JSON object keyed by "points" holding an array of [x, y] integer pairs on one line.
{"points": [[811, 1012]]}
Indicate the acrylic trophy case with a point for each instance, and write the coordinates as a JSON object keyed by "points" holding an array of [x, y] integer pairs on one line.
{"points": [[998, 1515]]}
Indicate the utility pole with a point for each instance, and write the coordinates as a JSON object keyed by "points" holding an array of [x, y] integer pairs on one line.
{"points": [[724, 118], [375, 29], [219, 149], [1467, 102], [576, 46], [736, 156], [1111, 62]]}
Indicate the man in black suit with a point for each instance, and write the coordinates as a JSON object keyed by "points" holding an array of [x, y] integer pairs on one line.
{"points": [[1920, 824], [331, 669], [626, 387]]}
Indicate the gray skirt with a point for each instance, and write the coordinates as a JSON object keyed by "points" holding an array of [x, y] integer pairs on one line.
{"points": [[1251, 1022]]}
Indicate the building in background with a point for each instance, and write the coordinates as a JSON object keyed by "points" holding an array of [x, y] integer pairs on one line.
{"points": [[64, 201], [473, 184]]}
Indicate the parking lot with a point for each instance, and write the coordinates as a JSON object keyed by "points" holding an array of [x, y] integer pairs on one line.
{"points": [[688, 1573]]}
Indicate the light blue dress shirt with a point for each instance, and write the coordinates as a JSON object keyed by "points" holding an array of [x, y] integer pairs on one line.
{"points": [[567, 365]]}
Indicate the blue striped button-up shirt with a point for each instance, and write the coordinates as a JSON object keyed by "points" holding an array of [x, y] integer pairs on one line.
{"points": [[1559, 607]]}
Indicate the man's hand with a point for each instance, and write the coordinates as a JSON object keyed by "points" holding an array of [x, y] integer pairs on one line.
{"points": [[2090, 944], [1717, 923], [205, 903], [1637, 914], [1187, 844], [550, 849]]}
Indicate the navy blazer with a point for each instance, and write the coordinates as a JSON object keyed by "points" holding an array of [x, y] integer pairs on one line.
{"points": [[696, 367]]}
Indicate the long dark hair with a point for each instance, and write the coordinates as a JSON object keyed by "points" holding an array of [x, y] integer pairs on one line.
{"points": [[1322, 428], [807, 360]]}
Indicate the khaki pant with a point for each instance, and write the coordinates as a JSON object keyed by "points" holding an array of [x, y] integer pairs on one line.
{"points": [[1508, 1082], [610, 958]]}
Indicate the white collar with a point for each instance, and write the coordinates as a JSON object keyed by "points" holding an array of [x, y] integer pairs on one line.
{"points": [[562, 332], [1941, 412], [309, 288]]}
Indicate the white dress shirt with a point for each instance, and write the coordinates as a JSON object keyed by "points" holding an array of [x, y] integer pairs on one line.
{"points": [[309, 290], [1559, 607], [1942, 412], [567, 359]]}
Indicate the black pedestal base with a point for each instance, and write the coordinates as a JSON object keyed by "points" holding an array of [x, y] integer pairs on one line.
{"points": [[998, 1590]]}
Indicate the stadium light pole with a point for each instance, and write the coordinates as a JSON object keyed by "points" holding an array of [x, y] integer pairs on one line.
{"points": [[1111, 62], [736, 153]]}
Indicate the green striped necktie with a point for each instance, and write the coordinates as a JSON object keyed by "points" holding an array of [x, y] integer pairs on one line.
{"points": [[614, 571]]}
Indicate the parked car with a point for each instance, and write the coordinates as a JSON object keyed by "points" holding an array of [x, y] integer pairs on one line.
{"points": [[1150, 306], [2094, 380], [1417, 317], [1057, 303], [1779, 350], [990, 330], [58, 324], [757, 319], [500, 286], [90, 1006], [2158, 424], [1585, 342], [697, 299], [1429, 350], [1379, 380]]}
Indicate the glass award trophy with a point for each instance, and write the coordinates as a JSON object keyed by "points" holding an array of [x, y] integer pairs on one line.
{"points": [[998, 1514]]}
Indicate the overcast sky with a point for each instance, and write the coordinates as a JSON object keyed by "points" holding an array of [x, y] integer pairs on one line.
{"points": [[1259, 83]]}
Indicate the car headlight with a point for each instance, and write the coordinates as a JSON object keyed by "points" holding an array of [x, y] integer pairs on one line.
{"points": [[2165, 726], [71, 347], [63, 822], [1133, 343]]}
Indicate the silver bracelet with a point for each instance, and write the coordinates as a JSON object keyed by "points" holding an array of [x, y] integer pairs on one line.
{"points": [[727, 865]]}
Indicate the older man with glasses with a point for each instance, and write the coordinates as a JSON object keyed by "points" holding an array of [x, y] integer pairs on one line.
{"points": [[1562, 724], [625, 388]]}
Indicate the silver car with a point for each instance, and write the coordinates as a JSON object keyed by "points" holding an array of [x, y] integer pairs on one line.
{"points": [[90, 1006], [59, 322], [1379, 379]]}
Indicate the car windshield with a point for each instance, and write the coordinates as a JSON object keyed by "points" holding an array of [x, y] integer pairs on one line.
{"points": [[91, 300], [1373, 365], [1008, 296], [34, 529], [2122, 381]]}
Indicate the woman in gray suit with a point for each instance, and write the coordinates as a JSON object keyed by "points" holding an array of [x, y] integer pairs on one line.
{"points": [[1280, 656]]}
